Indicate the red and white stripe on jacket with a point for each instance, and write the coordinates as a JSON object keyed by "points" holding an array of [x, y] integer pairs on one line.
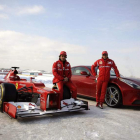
{"points": [[105, 66]]}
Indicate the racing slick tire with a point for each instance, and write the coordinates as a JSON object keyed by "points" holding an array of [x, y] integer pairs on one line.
{"points": [[8, 93], [113, 97]]}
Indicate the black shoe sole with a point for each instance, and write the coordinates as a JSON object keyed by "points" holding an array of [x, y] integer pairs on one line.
{"points": [[101, 107]]}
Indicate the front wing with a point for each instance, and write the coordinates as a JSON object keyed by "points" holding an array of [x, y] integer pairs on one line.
{"points": [[29, 109]]}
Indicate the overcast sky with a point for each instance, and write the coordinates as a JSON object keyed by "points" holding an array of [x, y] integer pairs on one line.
{"points": [[33, 32]]}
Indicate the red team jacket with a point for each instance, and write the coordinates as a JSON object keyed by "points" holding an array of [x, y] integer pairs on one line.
{"points": [[104, 69], [60, 71]]}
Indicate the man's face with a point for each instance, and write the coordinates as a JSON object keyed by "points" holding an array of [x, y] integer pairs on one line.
{"points": [[105, 56], [63, 58]]}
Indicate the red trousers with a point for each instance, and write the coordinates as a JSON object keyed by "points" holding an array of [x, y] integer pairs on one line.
{"points": [[101, 90], [70, 85]]}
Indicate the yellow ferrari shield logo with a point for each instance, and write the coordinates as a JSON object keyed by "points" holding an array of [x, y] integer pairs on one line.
{"points": [[100, 62], [16, 85]]}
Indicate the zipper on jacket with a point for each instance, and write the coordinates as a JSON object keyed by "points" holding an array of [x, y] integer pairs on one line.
{"points": [[105, 68], [64, 69]]}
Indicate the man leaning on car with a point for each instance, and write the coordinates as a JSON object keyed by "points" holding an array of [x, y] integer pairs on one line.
{"points": [[104, 64]]}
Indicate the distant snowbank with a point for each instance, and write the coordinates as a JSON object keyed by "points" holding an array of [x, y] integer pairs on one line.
{"points": [[1, 77], [45, 78]]}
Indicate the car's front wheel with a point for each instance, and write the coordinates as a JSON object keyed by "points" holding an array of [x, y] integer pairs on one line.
{"points": [[113, 96], [8, 93]]}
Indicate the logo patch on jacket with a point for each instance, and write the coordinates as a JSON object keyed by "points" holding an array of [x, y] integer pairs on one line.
{"points": [[109, 62], [59, 65], [68, 65], [100, 62]]}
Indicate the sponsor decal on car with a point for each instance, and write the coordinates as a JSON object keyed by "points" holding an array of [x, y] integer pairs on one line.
{"points": [[41, 91], [42, 99], [31, 104], [65, 103], [22, 85]]}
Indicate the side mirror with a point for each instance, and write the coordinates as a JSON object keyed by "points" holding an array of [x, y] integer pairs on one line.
{"points": [[83, 73]]}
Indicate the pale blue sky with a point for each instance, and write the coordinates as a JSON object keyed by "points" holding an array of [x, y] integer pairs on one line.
{"points": [[37, 30]]}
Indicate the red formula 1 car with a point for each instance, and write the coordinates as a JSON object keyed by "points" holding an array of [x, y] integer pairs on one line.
{"points": [[125, 91], [18, 98]]}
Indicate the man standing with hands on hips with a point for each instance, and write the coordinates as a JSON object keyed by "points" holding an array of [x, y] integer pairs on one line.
{"points": [[104, 64]]}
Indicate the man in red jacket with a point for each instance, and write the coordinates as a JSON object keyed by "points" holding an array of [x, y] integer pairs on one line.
{"points": [[62, 75], [104, 64]]}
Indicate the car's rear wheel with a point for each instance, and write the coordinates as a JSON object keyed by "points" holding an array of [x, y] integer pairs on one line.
{"points": [[113, 96], [8, 93]]}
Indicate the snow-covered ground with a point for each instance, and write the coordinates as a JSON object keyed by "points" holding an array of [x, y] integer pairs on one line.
{"points": [[94, 124]]}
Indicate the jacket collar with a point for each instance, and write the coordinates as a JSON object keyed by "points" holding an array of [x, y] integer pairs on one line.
{"points": [[62, 62], [105, 59]]}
